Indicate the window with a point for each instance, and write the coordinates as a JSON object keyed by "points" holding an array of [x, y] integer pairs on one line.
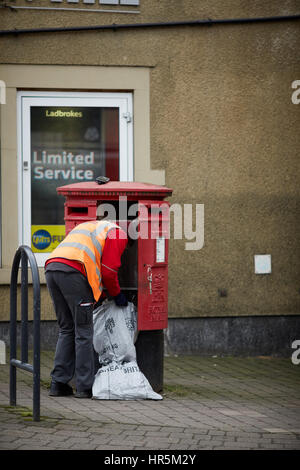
{"points": [[120, 2], [67, 138]]}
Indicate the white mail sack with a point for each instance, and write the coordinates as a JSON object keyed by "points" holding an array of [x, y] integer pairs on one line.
{"points": [[115, 332], [125, 381]]}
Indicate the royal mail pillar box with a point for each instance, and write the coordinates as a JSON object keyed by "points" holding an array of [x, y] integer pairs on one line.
{"points": [[140, 209]]}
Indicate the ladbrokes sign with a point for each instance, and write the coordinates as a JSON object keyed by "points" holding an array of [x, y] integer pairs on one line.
{"points": [[60, 113]]}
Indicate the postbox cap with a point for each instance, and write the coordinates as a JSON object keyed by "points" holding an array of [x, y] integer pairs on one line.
{"points": [[115, 189]]}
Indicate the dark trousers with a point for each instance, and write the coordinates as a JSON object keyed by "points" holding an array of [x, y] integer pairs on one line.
{"points": [[70, 292]]}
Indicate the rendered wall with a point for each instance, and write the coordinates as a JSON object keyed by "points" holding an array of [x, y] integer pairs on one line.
{"points": [[222, 126]]}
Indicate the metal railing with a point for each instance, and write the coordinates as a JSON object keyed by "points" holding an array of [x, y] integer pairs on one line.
{"points": [[24, 254]]}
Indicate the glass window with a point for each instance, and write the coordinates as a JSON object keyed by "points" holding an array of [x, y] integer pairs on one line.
{"points": [[69, 145]]}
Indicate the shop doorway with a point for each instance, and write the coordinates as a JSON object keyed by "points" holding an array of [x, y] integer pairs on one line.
{"points": [[66, 138]]}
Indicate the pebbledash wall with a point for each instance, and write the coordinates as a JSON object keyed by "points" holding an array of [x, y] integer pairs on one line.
{"points": [[216, 118]]}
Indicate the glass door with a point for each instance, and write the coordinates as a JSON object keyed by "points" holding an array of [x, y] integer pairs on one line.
{"points": [[67, 138]]}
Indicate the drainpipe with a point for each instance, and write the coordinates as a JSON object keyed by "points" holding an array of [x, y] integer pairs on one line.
{"points": [[115, 27]]}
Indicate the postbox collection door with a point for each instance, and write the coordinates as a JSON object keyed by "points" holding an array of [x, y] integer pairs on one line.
{"points": [[153, 265]]}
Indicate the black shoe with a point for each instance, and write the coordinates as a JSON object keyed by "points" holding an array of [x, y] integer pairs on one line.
{"points": [[84, 394], [58, 389]]}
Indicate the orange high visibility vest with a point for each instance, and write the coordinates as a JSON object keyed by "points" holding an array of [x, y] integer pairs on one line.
{"points": [[85, 243]]}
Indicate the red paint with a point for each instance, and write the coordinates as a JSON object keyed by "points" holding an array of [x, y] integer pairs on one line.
{"points": [[81, 204]]}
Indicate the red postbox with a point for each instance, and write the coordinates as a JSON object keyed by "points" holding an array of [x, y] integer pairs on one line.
{"points": [[140, 209]]}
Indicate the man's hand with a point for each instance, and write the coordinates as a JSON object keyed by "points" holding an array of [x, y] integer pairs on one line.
{"points": [[121, 300]]}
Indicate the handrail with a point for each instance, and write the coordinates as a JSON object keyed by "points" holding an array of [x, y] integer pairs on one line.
{"points": [[24, 254]]}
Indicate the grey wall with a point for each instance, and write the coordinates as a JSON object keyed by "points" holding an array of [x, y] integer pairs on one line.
{"points": [[233, 336], [236, 336]]}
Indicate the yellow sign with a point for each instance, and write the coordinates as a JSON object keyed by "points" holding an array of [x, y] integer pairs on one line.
{"points": [[44, 238]]}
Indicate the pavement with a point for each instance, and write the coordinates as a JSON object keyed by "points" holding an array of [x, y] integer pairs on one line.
{"points": [[213, 403]]}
